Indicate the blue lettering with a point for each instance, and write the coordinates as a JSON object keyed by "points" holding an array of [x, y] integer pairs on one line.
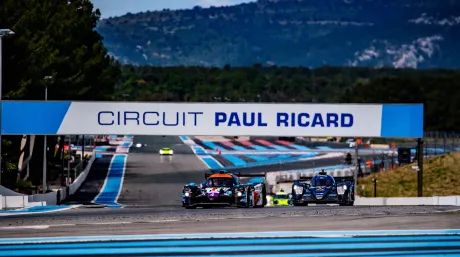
{"points": [[332, 119], [220, 117], [145, 120], [283, 118], [171, 125], [126, 118], [109, 118], [260, 122], [246, 118], [234, 119], [344, 122], [317, 120], [305, 116], [194, 115], [105, 124]]}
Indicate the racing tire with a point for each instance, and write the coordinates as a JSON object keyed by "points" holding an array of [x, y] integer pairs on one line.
{"points": [[264, 195], [347, 204], [248, 197], [300, 204]]}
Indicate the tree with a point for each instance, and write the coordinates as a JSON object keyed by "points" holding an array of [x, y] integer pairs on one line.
{"points": [[54, 38]]}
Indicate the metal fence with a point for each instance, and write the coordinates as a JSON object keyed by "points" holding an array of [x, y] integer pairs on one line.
{"points": [[435, 143]]}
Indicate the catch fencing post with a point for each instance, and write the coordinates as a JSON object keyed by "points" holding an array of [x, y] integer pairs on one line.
{"points": [[420, 167], [374, 181]]}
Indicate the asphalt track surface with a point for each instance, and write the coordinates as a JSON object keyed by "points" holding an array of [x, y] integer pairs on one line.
{"points": [[129, 221], [151, 195], [152, 180]]}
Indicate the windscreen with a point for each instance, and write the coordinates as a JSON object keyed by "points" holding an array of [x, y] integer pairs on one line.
{"points": [[220, 182], [321, 182], [281, 197]]}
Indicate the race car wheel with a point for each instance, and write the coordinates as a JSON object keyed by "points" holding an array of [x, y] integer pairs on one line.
{"points": [[264, 195], [347, 204], [300, 204], [248, 197]]}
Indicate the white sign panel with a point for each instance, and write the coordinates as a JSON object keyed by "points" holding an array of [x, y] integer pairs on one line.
{"points": [[235, 119]]}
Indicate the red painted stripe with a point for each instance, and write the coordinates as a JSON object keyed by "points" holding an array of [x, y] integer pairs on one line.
{"points": [[283, 142], [246, 143], [264, 142], [227, 143]]}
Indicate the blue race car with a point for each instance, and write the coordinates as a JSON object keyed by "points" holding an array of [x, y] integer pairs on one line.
{"points": [[225, 189], [323, 189]]}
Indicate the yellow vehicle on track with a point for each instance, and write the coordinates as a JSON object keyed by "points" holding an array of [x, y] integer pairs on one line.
{"points": [[166, 151], [281, 199]]}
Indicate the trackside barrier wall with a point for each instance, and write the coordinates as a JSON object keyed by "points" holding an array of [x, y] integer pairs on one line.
{"points": [[77, 183], [435, 200], [17, 200], [13, 202], [54, 198], [8, 192]]}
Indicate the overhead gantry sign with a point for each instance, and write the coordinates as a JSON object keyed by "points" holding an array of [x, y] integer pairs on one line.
{"points": [[209, 119]]}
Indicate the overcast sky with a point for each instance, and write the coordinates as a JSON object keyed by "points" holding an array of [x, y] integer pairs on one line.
{"points": [[110, 8]]}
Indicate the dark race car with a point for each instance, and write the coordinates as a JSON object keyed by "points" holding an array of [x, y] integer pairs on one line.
{"points": [[226, 189], [323, 189]]}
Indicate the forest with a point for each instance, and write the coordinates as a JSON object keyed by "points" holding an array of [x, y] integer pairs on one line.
{"points": [[437, 89], [55, 47]]}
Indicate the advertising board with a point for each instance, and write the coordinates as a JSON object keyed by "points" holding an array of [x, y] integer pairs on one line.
{"points": [[220, 119]]}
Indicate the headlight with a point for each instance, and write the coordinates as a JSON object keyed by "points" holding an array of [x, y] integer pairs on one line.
{"points": [[341, 189], [171, 151], [187, 194], [161, 151], [239, 194], [298, 189]]}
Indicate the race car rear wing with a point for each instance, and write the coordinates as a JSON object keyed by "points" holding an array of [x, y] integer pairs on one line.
{"points": [[250, 175], [238, 174], [337, 179]]}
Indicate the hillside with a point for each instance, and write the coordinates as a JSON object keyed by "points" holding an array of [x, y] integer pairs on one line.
{"points": [[396, 33], [440, 178]]}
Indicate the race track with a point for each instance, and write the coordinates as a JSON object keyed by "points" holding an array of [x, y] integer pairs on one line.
{"points": [[150, 196], [129, 221], [152, 180]]}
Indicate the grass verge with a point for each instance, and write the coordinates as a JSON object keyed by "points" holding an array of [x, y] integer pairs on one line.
{"points": [[441, 177]]}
